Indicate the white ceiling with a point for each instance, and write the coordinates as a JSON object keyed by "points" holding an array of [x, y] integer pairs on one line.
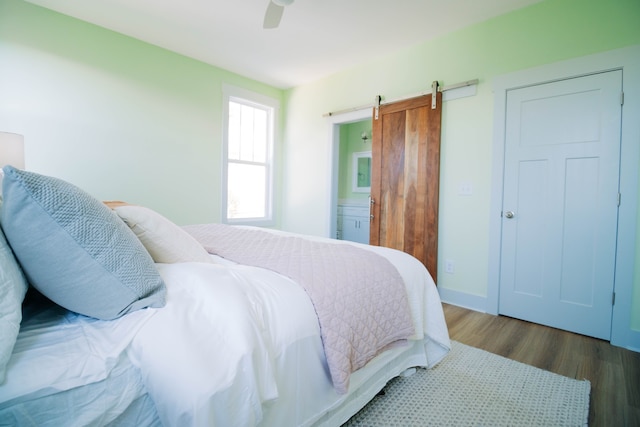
{"points": [[316, 38]]}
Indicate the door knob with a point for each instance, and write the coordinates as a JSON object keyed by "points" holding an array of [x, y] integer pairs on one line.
{"points": [[509, 214]]}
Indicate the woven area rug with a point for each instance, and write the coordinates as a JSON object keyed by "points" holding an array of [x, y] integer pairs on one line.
{"points": [[472, 387]]}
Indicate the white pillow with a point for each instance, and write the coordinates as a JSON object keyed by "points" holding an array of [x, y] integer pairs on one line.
{"points": [[165, 241], [13, 288]]}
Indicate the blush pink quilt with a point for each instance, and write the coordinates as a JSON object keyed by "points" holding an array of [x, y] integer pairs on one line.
{"points": [[359, 297]]}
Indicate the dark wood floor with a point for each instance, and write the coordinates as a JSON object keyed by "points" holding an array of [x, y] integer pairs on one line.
{"points": [[614, 372]]}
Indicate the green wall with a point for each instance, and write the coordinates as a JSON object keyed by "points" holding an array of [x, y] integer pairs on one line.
{"points": [[118, 117], [351, 142], [544, 33]]}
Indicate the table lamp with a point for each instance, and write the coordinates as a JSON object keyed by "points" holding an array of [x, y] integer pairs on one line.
{"points": [[11, 150]]}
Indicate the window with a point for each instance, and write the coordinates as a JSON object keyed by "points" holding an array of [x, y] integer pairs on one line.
{"points": [[248, 157]]}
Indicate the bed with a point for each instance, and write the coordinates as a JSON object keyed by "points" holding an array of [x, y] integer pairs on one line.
{"points": [[113, 315]]}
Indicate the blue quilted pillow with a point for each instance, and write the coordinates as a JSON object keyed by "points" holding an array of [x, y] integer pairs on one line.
{"points": [[74, 249]]}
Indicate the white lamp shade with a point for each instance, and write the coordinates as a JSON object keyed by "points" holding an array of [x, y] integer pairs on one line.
{"points": [[11, 150]]}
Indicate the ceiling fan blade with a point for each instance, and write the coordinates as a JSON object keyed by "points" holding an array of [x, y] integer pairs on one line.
{"points": [[273, 16]]}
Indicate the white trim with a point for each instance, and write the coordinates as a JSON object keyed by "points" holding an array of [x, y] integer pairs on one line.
{"points": [[240, 92], [633, 340], [628, 60], [334, 122], [463, 299], [246, 96]]}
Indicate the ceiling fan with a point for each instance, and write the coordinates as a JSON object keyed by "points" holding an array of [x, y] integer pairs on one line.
{"points": [[274, 13]]}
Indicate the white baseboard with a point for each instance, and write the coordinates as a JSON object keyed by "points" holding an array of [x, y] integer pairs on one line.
{"points": [[634, 341], [478, 303], [462, 299]]}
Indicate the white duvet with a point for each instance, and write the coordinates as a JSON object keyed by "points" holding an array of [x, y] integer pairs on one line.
{"points": [[207, 356], [233, 341]]}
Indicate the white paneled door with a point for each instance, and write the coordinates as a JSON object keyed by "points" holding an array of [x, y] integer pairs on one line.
{"points": [[560, 203]]}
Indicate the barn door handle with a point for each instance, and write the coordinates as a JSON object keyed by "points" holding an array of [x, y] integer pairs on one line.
{"points": [[371, 203]]}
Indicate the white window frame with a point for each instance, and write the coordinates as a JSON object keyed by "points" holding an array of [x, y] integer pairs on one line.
{"points": [[247, 97]]}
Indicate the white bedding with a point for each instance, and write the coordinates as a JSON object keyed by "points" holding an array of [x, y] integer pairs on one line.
{"points": [[229, 346], [207, 356], [235, 345], [58, 350], [358, 296]]}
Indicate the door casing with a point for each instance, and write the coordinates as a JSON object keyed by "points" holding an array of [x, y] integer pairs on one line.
{"points": [[627, 60], [335, 121]]}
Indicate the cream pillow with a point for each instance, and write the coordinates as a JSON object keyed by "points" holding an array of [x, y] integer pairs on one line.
{"points": [[165, 241]]}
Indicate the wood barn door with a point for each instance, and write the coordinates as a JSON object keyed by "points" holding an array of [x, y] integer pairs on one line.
{"points": [[405, 178]]}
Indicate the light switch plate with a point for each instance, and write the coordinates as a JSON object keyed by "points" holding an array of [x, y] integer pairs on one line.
{"points": [[465, 189]]}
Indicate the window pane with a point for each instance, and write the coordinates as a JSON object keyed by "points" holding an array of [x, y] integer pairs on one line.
{"points": [[234, 130], [246, 133], [246, 191], [248, 127], [260, 136]]}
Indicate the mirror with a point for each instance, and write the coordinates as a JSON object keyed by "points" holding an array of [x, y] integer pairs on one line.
{"points": [[362, 172]]}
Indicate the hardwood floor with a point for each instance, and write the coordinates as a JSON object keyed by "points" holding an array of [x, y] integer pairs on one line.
{"points": [[614, 372]]}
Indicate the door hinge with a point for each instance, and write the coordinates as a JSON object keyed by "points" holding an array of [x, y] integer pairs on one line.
{"points": [[613, 299], [619, 198], [376, 107], [621, 98]]}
